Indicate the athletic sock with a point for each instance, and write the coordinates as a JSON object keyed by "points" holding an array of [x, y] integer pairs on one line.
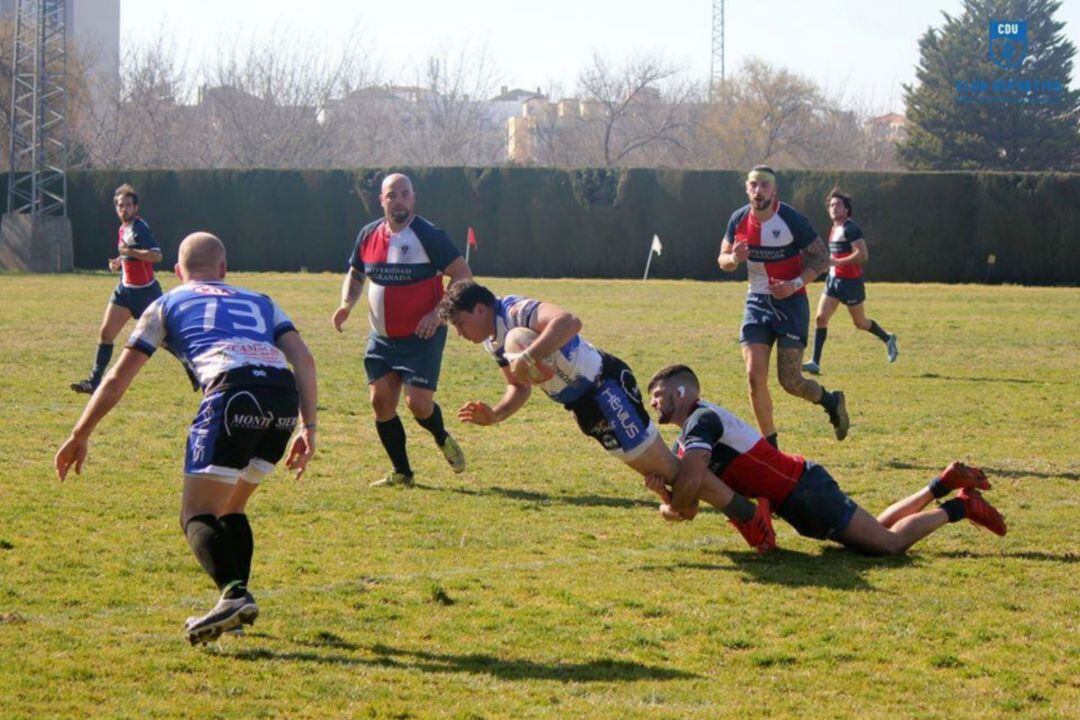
{"points": [[433, 423], [937, 488], [954, 509], [773, 440], [238, 530], [210, 544], [101, 362], [392, 434], [828, 400], [878, 332], [739, 509], [820, 335]]}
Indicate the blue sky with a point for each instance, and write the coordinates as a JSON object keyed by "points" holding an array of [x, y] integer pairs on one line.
{"points": [[861, 50]]}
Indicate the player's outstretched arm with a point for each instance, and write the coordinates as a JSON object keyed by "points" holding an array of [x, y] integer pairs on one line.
{"points": [[480, 413], [104, 399], [303, 364]]}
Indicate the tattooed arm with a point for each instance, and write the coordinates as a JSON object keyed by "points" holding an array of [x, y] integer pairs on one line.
{"points": [[815, 259]]}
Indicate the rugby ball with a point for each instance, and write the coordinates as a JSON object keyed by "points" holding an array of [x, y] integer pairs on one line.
{"points": [[518, 341]]}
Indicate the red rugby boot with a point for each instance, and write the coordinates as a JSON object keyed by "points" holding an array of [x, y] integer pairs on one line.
{"points": [[980, 512], [758, 530], [959, 476]]}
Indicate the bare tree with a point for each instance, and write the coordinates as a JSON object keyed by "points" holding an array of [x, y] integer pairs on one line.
{"points": [[633, 109]]}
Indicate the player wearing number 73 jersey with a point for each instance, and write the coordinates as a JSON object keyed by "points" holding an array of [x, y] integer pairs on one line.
{"points": [[239, 345]]}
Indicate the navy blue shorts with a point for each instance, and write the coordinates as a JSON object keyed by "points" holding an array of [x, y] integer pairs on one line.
{"points": [[817, 507], [416, 360], [135, 299], [613, 414], [849, 291], [767, 320], [241, 431]]}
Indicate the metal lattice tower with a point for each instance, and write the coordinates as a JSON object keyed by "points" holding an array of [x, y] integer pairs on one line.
{"points": [[37, 183], [716, 67]]}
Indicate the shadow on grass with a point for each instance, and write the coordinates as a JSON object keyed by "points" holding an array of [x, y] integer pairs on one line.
{"points": [[1023, 381], [532, 497], [991, 472], [603, 670], [834, 568], [1068, 558]]}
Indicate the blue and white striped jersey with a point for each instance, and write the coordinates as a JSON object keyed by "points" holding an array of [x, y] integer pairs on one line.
{"points": [[577, 363], [215, 328]]}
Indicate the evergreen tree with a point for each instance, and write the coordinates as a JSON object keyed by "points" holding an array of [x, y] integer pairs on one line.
{"points": [[962, 112]]}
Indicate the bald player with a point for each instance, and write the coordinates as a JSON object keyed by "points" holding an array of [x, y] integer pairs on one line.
{"points": [[404, 258], [239, 345]]}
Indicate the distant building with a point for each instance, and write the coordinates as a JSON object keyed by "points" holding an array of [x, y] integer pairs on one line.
{"points": [[891, 127]]}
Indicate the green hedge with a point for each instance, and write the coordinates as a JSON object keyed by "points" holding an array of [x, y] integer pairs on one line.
{"points": [[599, 223]]}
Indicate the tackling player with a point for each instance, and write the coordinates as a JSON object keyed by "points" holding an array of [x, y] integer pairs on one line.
{"points": [[845, 282], [239, 344], [782, 254], [714, 443], [597, 387], [137, 288]]}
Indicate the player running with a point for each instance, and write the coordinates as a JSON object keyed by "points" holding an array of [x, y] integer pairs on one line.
{"points": [[845, 282], [239, 344], [597, 387], [782, 253], [137, 288], [716, 444]]}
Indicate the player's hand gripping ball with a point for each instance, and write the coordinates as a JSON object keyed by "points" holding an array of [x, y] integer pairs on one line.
{"points": [[516, 343]]}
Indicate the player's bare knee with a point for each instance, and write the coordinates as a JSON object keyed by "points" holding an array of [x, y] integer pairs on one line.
{"points": [[793, 381], [821, 322], [863, 324], [420, 407]]}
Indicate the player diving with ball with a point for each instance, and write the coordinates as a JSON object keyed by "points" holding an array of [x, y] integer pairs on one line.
{"points": [[538, 343]]}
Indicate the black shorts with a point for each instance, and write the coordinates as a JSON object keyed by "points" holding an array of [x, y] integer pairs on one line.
{"points": [[612, 412], [767, 320], [240, 428], [817, 507], [135, 299], [849, 291]]}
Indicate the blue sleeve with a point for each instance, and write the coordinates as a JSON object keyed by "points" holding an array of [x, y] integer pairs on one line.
{"points": [[732, 225], [852, 232], [355, 262], [801, 228], [703, 429], [144, 239], [436, 244]]}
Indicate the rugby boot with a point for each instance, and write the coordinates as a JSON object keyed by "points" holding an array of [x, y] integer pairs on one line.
{"points": [[838, 416], [892, 349], [958, 476], [811, 367], [758, 530], [980, 512], [85, 387], [453, 454], [228, 614], [394, 478]]}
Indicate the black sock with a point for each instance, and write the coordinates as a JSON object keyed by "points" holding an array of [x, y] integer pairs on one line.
{"points": [[392, 435], [739, 509], [820, 336], [878, 332], [828, 400], [210, 543], [239, 532], [937, 488], [101, 362], [433, 423], [954, 509], [773, 440]]}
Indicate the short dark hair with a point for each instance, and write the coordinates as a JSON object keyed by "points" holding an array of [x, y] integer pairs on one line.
{"points": [[464, 295], [666, 373], [126, 190], [849, 202]]}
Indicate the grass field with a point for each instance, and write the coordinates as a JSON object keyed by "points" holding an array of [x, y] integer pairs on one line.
{"points": [[541, 583]]}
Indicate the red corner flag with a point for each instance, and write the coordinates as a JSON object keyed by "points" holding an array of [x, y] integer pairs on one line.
{"points": [[472, 237]]}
